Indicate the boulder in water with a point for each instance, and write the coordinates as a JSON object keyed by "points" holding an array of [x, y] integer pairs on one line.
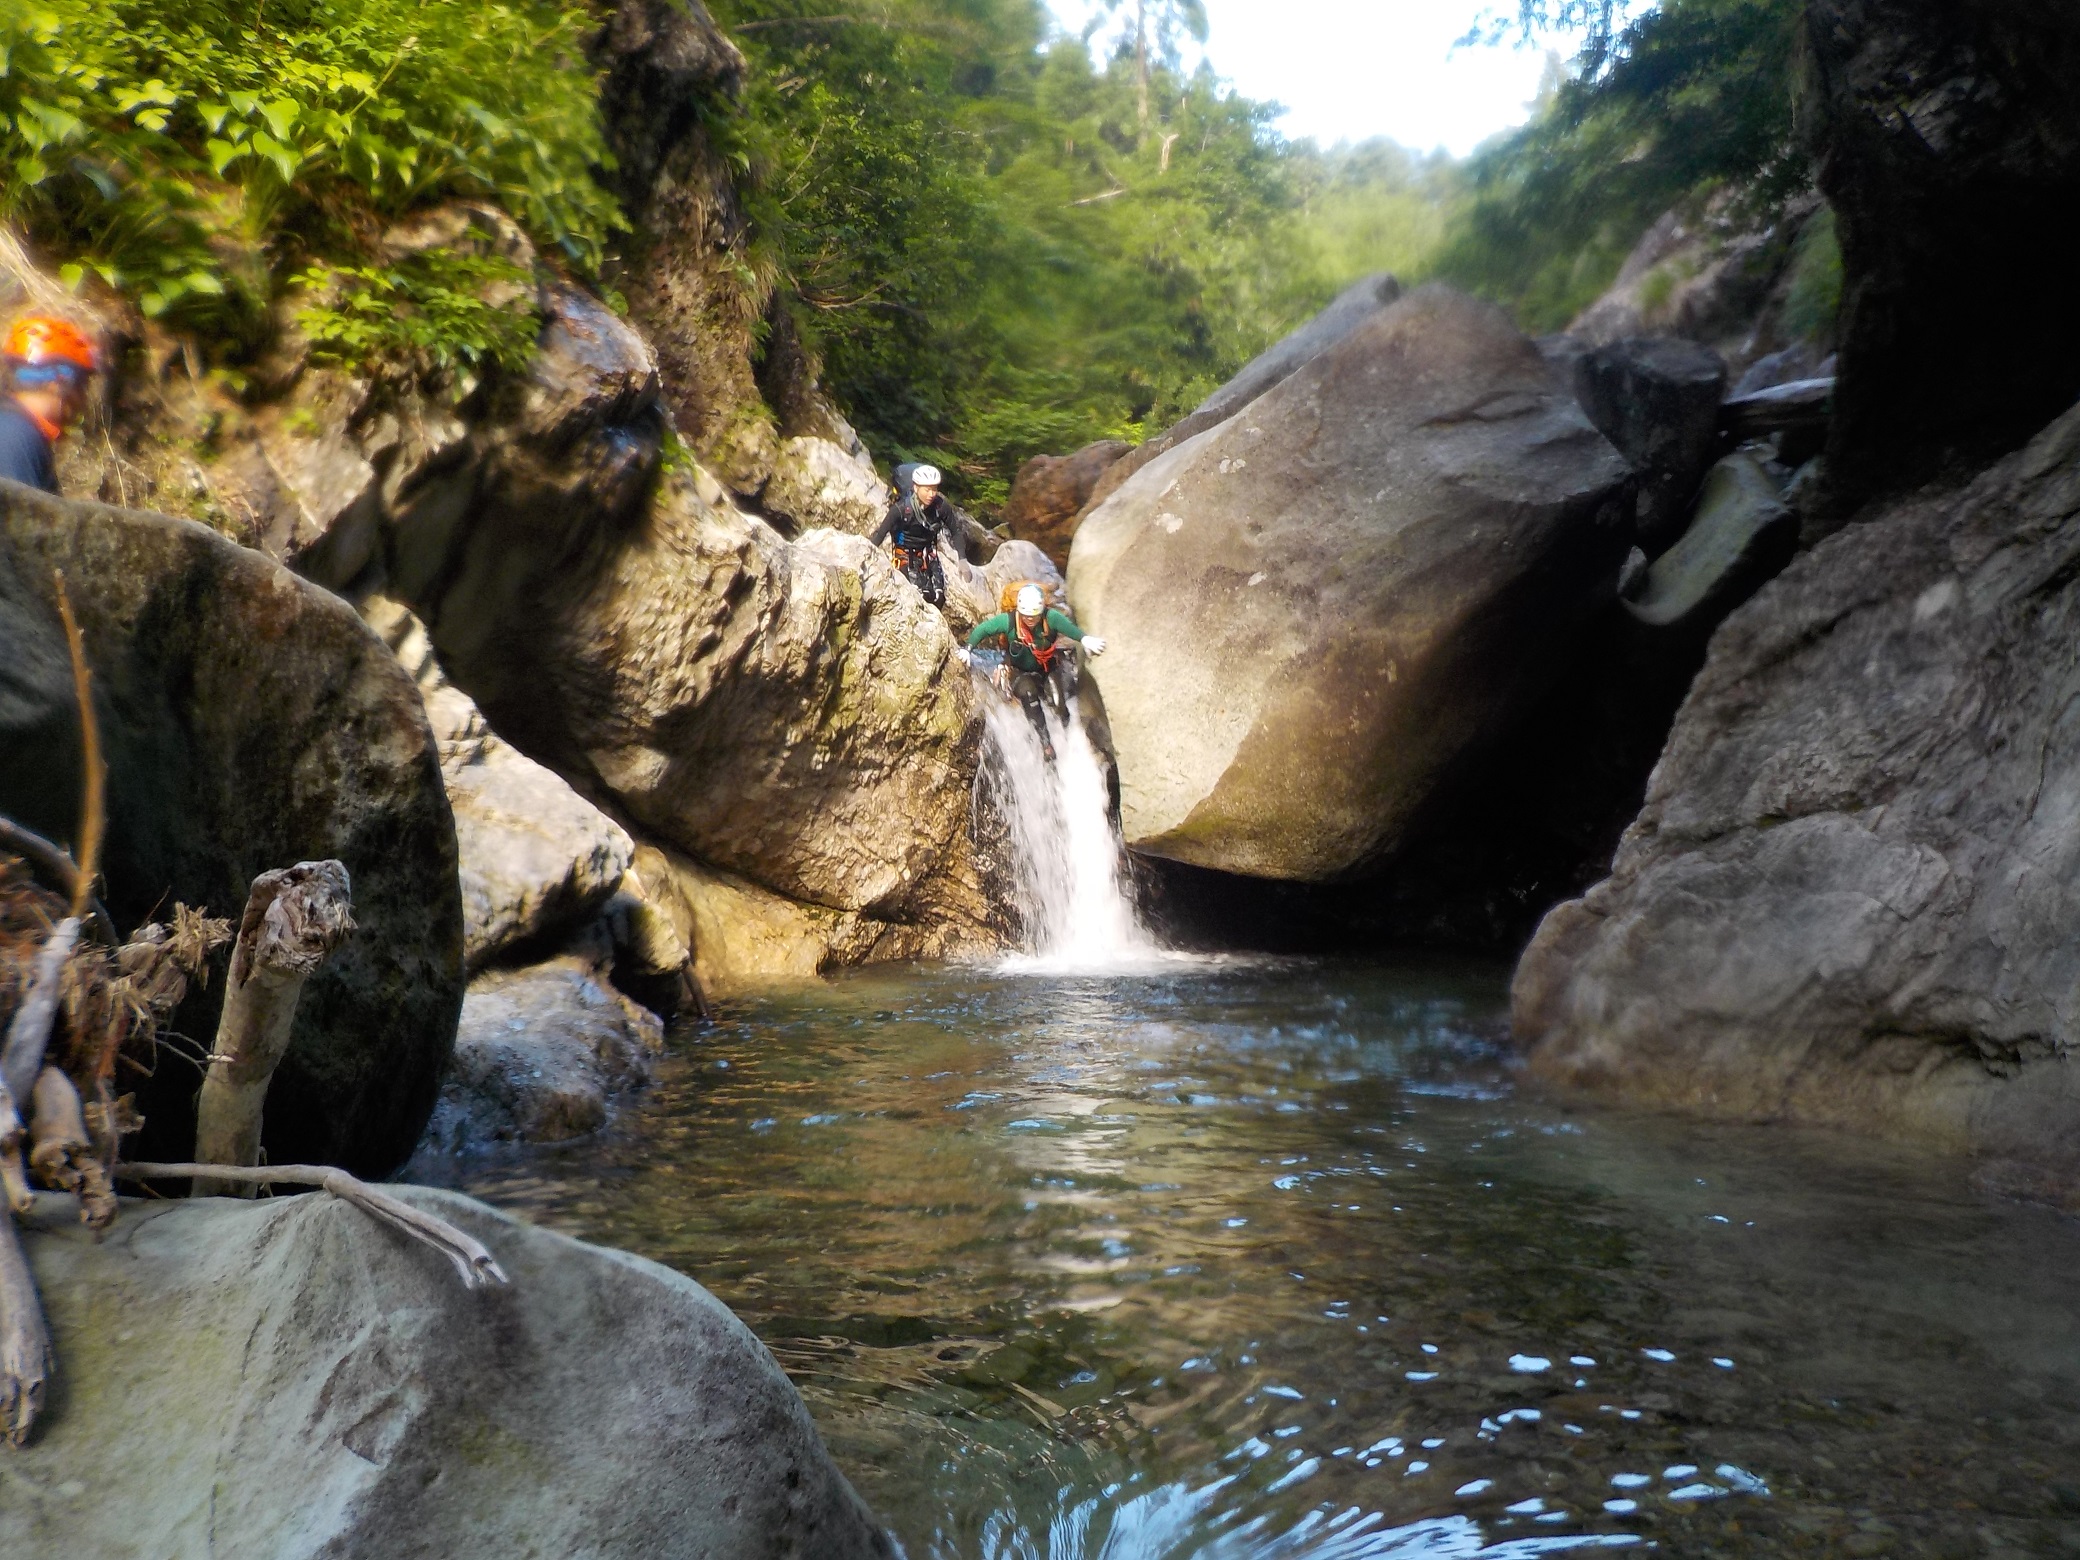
{"points": [[1851, 893], [541, 1054], [1316, 608], [291, 1378], [250, 721]]}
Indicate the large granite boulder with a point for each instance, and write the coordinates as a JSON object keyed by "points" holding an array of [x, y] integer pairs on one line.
{"points": [[1347, 312], [1317, 607], [1948, 141], [1851, 895], [1051, 492], [251, 721], [817, 485], [289, 1378]]}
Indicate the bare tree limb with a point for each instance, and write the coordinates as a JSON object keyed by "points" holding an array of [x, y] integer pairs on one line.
{"points": [[93, 807], [294, 918], [475, 1265], [26, 1360]]}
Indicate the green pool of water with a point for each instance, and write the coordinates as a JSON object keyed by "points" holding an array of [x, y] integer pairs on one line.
{"points": [[1282, 1260]]}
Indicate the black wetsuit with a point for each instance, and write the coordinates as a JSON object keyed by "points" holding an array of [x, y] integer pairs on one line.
{"points": [[916, 528], [25, 454]]}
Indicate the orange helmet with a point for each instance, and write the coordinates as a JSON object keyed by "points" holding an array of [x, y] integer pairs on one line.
{"points": [[46, 341]]}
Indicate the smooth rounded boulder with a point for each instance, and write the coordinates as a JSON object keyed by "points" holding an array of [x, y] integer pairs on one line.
{"points": [[288, 1378], [1317, 607]]}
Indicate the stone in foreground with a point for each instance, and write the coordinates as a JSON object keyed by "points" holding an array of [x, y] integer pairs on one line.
{"points": [[291, 1379], [1851, 895], [1743, 532], [1316, 608]]}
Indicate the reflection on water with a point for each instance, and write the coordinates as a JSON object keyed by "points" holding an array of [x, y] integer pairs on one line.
{"points": [[1276, 1260]]}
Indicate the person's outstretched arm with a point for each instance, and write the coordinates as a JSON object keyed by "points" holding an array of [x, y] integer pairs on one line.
{"points": [[996, 626]]}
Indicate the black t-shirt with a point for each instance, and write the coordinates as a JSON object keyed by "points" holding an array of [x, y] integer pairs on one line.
{"points": [[25, 454], [918, 527]]}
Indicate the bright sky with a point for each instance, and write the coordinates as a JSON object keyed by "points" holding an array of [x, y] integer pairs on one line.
{"points": [[1349, 69]]}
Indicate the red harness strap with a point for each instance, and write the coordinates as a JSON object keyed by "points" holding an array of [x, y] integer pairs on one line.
{"points": [[1025, 635]]}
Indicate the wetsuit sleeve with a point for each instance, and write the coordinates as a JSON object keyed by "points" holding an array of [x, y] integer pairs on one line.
{"points": [[1062, 623], [888, 523], [25, 455], [996, 627]]}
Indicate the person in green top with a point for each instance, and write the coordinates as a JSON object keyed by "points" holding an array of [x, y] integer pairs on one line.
{"points": [[1036, 663]]}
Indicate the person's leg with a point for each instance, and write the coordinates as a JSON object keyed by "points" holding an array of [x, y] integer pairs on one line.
{"points": [[1026, 685]]}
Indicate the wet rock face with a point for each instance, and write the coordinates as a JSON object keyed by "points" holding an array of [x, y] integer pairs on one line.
{"points": [[600, 1405], [1948, 138], [251, 721], [1850, 895], [1318, 606], [1050, 494]]}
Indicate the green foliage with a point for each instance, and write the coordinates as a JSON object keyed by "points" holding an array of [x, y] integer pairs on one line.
{"points": [[1814, 297], [194, 154], [1694, 96], [998, 257], [441, 313]]}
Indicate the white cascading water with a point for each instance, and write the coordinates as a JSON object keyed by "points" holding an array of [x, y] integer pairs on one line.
{"points": [[1072, 891]]}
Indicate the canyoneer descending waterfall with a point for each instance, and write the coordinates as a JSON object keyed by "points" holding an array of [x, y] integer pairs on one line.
{"points": [[1037, 668]]}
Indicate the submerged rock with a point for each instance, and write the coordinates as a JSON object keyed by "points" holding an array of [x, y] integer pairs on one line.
{"points": [[1316, 608], [541, 1055], [250, 721], [1850, 896], [1050, 493], [289, 1378]]}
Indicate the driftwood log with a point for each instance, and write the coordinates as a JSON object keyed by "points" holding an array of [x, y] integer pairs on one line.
{"points": [[474, 1263], [294, 918], [25, 1338]]}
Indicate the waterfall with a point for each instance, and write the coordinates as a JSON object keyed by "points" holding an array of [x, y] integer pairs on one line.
{"points": [[1072, 890]]}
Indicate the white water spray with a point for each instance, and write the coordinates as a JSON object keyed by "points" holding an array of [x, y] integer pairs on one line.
{"points": [[1072, 891]]}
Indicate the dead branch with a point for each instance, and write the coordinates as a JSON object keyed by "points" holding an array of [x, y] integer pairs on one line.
{"points": [[475, 1265], [294, 918], [26, 1361], [62, 1154], [14, 1181], [56, 863], [93, 809]]}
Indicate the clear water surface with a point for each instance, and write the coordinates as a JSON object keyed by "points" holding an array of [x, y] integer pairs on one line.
{"points": [[1281, 1261]]}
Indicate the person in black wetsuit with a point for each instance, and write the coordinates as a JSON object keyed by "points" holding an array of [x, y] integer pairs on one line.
{"points": [[915, 522], [49, 363]]}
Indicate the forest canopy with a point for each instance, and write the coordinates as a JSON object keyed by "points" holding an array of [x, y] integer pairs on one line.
{"points": [[999, 239]]}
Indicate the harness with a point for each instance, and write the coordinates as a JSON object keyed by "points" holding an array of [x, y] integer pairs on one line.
{"points": [[1043, 654]]}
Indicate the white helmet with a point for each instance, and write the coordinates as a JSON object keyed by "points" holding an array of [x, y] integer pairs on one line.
{"points": [[925, 476], [1031, 603]]}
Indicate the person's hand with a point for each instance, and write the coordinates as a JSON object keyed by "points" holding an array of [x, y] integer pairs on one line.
{"points": [[1093, 645], [967, 657]]}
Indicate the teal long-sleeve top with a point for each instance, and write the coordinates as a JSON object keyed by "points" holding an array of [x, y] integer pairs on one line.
{"points": [[1053, 624]]}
